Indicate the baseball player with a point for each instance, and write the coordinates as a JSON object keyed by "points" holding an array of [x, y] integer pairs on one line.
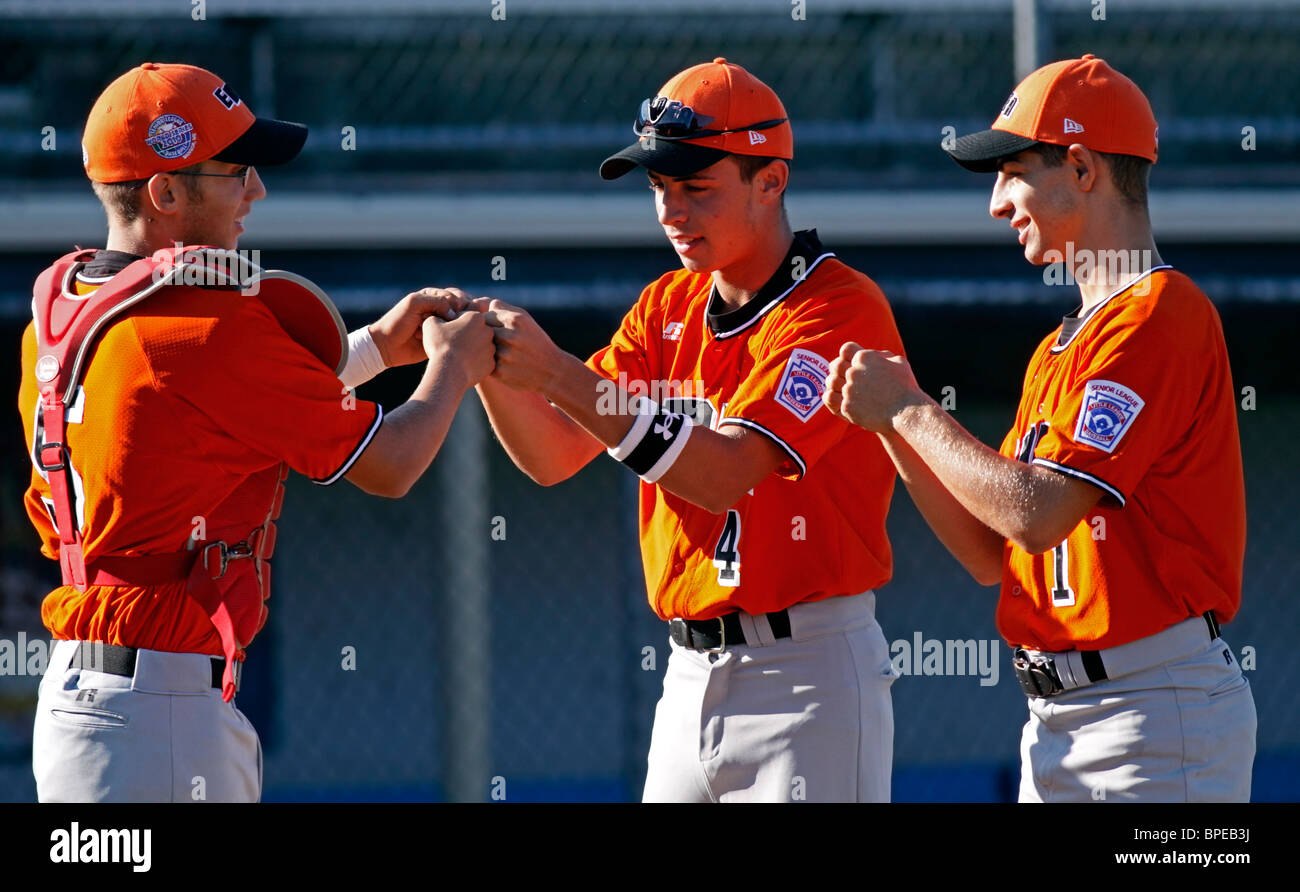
{"points": [[762, 517], [163, 411], [1114, 512]]}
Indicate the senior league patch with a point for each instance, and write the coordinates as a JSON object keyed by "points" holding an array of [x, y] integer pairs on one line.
{"points": [[803, 383], [1106, 414]]}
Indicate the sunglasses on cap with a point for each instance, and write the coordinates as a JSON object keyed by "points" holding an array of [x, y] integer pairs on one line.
{"points": [[670, 119]]}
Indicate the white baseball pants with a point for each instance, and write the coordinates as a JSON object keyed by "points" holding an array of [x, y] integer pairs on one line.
{"points": [[805, 718], [1181, 730], [164, 735]]}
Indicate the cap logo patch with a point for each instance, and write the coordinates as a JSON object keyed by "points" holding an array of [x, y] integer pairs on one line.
{"points": [[1073, 126], [226, 96], [1010, 105], [171, 136], [755, 138], [803, 383], [1106, 413]]}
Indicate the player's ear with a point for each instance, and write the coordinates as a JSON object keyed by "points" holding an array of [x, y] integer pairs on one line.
{"points": [[161, 196], [1083, 162], [772, 181]]}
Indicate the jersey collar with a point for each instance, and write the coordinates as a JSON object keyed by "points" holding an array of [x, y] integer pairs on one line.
{"points": [[807, 247], [104, 265], [1072, 324]]}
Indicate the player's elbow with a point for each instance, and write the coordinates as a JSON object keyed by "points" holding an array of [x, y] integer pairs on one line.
{"points": [[1033, 541], [391, 490], [986, 575], [545, 476], [719, 499], [385, 486]]}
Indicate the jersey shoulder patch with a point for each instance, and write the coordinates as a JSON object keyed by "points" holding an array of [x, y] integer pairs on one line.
{"points": [[1106, 413], [802, 383]]}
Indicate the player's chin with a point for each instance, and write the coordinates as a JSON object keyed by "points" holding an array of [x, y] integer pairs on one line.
{"points": [[1036, 255], [695, 263]]}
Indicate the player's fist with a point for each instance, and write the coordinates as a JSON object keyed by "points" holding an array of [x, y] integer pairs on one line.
{"points": [[463, 346], [527, 358], [870, 387], [398, 333]]}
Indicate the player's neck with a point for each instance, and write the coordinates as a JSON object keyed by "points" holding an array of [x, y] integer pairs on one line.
{"points": [[139, 238], [738, 283], [1110, 258]]}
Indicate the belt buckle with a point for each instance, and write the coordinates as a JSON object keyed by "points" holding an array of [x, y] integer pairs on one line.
{"points": [[680, 632], [1038, 678], [722, 639]]}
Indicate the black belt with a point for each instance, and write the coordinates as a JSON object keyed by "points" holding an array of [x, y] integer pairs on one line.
{"points": [[716, 634], [118, 660], [1039, 677]]}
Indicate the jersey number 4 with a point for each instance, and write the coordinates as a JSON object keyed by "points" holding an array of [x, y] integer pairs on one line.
{"points": [[726, 556]]}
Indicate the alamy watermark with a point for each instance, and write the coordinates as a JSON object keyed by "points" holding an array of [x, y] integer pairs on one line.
{"points": [[1115, 268], [951, 656], [209, 268], [620, 397]]}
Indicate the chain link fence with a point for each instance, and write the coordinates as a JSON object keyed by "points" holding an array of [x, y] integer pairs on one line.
{"points": [[537, 96]]}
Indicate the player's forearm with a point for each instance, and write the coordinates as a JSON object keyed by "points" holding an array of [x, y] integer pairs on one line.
{"points": [[542, 441], [411, 434], [971, 542], [1003, 494], [713, 470]]}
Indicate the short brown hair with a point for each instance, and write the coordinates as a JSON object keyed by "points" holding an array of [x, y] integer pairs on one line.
{"points": [[1129, 173], [750, 165], [121, 201]]}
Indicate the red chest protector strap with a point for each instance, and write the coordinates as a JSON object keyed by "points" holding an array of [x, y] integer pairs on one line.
{"points": [[67, 326]]}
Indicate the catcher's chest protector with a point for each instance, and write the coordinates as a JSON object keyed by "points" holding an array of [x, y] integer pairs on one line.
{"points": [[67, 327]]}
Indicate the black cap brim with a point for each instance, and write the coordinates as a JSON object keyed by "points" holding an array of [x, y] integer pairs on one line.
{"points": [[668, 157], [981, 151], [265, 143]]}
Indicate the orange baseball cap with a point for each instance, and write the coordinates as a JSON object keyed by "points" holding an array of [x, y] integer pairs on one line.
{"points": [[702, 115], [1082, 101], [160, 117]]}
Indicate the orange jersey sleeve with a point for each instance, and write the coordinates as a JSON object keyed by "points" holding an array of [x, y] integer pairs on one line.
{"points": [[1138, 402], [626, 354], [782, 394]]}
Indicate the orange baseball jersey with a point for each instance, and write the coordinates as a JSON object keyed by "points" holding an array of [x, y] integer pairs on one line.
{"points": [[1136, 398], [816, 527], [189, 405]]}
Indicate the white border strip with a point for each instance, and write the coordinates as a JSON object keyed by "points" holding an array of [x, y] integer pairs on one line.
{"points": [[356, 453], [743, 422], [1071, 472], [770, 304], [1092, 311]]}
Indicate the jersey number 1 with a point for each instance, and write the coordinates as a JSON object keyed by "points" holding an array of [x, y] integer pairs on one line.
{"points": [[1062, 594], [726, 557]]}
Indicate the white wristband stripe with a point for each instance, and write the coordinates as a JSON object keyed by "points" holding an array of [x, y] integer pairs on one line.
{"points": [[364, 359], [647, 409], [666, 460]]}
